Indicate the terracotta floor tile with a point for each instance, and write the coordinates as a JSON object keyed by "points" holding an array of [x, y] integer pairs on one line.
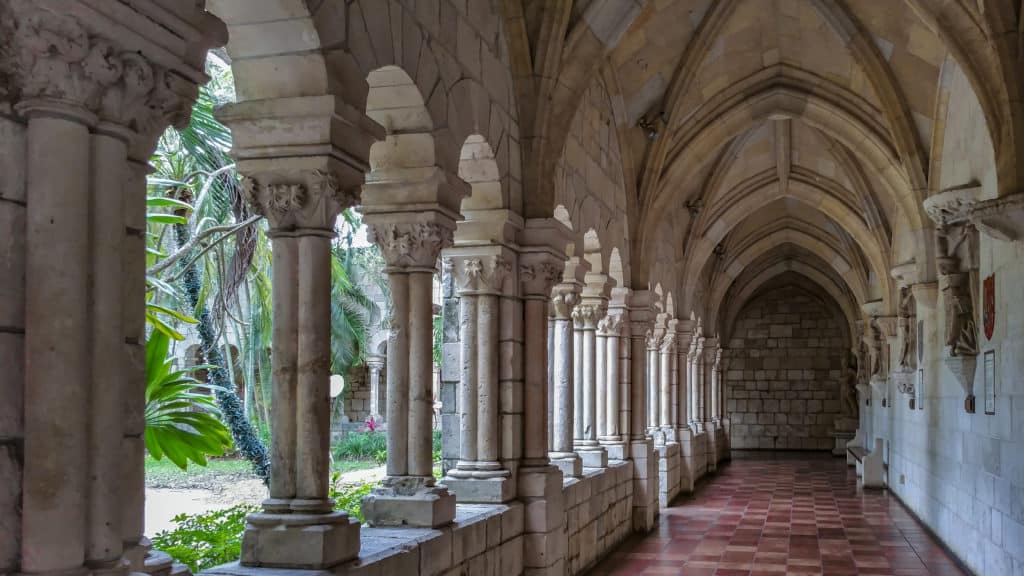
{"points": [[768, 514]]}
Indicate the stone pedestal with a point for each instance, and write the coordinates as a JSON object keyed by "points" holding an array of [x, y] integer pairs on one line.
{"points": [[396, 503], [617, 450], [544, 537], [481, 490], [569, 463], [299, 541], [686, 462], [645, 485], [593, 457], [668, 472]]}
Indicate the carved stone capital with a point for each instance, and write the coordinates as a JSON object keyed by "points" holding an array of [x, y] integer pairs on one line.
{"points": [[653, 340], [667, 343], [297, 202], [480, 274], [537, 277], [58, 64], [610, 325], [585, 316], [411, 245], [563, 299]]}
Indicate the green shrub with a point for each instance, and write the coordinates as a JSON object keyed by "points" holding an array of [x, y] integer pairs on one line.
{"points": [[437, 446], [349, 497], [205, 540], [361, 446]]}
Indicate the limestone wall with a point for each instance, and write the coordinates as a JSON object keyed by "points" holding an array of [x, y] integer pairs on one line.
{"points": [[598, 514], [12, 330], [963, 474], [784, 368]]}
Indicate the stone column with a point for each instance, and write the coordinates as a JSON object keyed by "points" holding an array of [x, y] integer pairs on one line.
{"points": [[645, 460], [301, 205], [564, 298], [682, 423], [667, 383], [707, 364], [409, 495], [698, 385], [585, 318], [716, 380], [601, 395], [653, 387], [578, 407], [378, 400], [551, 371], [613, 439], [479, 476]]}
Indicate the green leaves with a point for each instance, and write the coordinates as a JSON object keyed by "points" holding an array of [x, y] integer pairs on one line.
{"points": [[181, 422], [202, 541]]}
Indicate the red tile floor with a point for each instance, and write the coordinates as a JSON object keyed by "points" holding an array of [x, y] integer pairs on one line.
{"points": [[782, 513]]}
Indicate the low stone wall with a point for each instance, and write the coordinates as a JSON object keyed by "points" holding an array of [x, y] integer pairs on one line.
{"points": [[598, 514]]}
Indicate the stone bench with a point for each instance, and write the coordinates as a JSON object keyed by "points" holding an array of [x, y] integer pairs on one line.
{"points": [[870, 466]]}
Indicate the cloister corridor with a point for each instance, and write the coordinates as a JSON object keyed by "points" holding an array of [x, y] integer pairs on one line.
{"points": [[768, 513], [619, 244]]}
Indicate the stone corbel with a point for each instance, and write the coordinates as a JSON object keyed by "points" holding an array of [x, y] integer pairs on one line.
{"points": [[1001, 218], [963, 368]]}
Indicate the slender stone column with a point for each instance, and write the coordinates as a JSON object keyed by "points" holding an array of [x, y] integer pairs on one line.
{"points": [[478, 475], [409, 495], [654, 387], [716, 390], [538, 273], [593, 455], [57, 350], [666, 383], [562, 454], [300, 205], [551, 371], [377, 394], [638, 364], [707, 381], [609, 333], [698, 384], [107, 395], [601, 396], [578, 377]]}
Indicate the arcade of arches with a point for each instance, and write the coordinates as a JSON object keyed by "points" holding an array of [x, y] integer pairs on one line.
{"points": [[668, 229]]}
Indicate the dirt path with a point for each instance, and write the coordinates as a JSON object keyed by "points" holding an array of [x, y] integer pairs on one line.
{"points": [[163, 504]]}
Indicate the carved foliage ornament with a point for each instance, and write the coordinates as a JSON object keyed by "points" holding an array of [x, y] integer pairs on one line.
{"points": [[306, 200], [610, 325], [54, 57], [481, 274], [585, 316], [411, 245], [537, 279]]}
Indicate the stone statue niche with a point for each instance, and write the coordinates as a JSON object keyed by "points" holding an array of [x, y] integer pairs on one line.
{"points": [[906, 367], [956, 249]]}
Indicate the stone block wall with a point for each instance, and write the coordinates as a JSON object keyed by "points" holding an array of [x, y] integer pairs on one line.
{"points": [[357, 393], [668, 472], [784, 369], [598, 514], [12, 334]]}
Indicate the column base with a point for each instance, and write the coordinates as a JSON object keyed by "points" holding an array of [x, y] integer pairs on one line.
{"points": [[593, 456], [616, 449], [299, 541], [409, 501], [670, 434], [568, 462], [491, 489]]}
